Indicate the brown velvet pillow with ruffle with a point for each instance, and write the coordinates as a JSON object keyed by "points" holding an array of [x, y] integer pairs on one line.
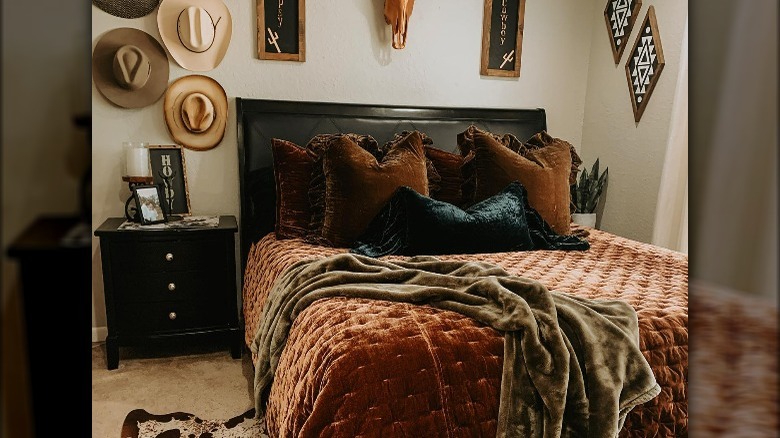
{"points": [[358, 185], [450, 179], [543, 166], [292, 173]]}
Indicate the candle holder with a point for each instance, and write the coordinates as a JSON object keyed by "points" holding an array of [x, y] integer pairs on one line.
{"points": [[131, 210]]}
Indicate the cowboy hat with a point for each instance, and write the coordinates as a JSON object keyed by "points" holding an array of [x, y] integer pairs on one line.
{"points": [[196, 32], [130, 68], [196, 112], [125, 8]]}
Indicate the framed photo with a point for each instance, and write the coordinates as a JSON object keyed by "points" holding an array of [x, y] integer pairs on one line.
{"points": [[148, 201], [281, 30], [502, 37], [620, 16], [170, 173], [644, 64]]}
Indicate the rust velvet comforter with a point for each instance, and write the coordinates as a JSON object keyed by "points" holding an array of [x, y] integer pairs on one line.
{"points": [[437, 372]]}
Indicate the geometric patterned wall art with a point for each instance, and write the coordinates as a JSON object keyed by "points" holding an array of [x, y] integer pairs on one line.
{"points": [[644, 64], [620, 16]]}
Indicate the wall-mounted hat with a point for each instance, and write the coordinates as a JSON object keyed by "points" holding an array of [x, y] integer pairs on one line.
{"points": [[196, 112], [130, 68], [196, 32], [127, 8]]}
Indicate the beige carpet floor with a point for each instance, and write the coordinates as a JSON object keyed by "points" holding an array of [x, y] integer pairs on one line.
{"points": [[200, 380]]}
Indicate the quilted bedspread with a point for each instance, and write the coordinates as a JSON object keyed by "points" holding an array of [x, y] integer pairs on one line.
{"points": [[422, 368]]}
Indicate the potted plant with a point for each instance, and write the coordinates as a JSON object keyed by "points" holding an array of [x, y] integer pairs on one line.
{"points": [[585, 195]]}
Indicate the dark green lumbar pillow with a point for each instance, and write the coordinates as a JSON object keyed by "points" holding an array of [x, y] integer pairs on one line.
{"points": [[413, 224]]}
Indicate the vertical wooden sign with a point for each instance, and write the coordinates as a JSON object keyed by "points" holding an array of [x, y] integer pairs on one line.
{"points": [[502, 37], [281, 30]]}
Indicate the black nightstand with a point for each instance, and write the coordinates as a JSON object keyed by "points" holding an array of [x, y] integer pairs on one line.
{"points": [[168, 284]]}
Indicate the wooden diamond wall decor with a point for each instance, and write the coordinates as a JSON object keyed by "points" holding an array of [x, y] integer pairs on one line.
{"points": [[645, 63], [620, 16]]}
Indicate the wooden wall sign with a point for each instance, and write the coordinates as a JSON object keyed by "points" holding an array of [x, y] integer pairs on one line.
{"points": [[645, 63], [281, 30], [502, 37], [620, 16]]}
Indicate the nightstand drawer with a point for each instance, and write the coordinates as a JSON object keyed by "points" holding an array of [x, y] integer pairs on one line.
{"points": [[171, 286], [170, 255], [162, 317]]}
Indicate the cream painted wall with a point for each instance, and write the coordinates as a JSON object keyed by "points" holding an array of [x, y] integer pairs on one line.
{"points": [[349, 59], [633, 151]]}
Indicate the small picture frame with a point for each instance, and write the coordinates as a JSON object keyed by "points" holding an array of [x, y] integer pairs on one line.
{"points": [[169, 171], [148, 201], [281, 30]]}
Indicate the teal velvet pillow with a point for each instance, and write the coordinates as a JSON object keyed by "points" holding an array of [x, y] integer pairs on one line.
{"points": [[413, 224]]}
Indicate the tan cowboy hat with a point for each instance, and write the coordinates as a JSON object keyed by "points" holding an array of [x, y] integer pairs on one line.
{"points": [[196, 111], [130, 68], [196, 32]]}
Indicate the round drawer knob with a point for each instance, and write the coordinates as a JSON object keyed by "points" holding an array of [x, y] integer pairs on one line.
{"points": [[172, 316], [171, 287], [169, 257]]}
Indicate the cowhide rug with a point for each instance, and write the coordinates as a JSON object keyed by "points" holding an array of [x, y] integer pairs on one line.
{"points": [[141, 424]]}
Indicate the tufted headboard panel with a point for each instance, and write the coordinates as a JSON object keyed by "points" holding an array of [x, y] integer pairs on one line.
{"points": [[261, 120]]}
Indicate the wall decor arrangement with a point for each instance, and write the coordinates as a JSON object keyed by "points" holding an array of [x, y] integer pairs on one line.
{"points": [[502, 37], [130, 68], [196, 112], [170, 174], [397, 13], [281, 30], [645, 63], [196, 32], [620, 16]]}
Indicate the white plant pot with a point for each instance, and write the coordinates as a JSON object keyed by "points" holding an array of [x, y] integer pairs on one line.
{"points": [[586, 219]]}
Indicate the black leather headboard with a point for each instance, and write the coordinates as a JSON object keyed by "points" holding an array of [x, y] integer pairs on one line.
{"points": [[261, 120]]}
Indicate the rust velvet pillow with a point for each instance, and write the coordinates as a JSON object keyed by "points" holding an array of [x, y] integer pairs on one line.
{"points": [[292, 173], [450, 179], [544, 171], [357, 185]]}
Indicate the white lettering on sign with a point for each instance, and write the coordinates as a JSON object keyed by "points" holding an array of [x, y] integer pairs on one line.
{"points": [[504, 18], [279, 15]]}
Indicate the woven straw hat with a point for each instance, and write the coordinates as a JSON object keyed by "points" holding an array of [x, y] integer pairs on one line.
{"points": [[130, 68], [196, 111], [196, 32], [127, 8]]}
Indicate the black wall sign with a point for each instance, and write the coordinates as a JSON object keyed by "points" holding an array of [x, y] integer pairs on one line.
{"points": [[281, 30], [502, 37]]}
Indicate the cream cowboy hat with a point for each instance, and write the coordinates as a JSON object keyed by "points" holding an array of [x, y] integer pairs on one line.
{"points": [[196, 111], [196, 32], [130, 68]]}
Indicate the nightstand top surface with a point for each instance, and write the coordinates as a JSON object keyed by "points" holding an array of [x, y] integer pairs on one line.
{"points": [[111, 225]]}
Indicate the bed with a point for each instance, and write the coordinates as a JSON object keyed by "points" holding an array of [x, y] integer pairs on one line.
{"points": [[425, 371]]}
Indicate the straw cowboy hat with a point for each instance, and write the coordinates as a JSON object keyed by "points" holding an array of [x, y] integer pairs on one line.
{"points": [[196, 32], [130, 68], [127, 8], [196, 111]]}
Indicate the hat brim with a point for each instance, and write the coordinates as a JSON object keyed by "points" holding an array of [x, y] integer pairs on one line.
{"points": [[174, 97], [167, 23], [103, 73]]}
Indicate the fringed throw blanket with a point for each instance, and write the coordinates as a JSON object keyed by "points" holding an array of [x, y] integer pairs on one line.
{"points": [[572, 366]]}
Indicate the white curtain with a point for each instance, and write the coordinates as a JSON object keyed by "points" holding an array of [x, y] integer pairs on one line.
{"points": [[736, 236], [671, 216]]}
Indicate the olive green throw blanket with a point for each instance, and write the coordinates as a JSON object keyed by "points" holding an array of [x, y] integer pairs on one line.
{"points": [[572, 367]]}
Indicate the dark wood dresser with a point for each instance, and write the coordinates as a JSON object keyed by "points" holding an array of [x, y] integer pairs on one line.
{"points": [[169, 284]]}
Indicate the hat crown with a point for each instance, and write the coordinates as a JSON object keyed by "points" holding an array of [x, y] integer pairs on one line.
{"points": [[197, 112], [196, 29], [131, 67]]}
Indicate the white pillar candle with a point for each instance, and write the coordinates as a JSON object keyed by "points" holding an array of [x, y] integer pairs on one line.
{"points": [[138, 162]]}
